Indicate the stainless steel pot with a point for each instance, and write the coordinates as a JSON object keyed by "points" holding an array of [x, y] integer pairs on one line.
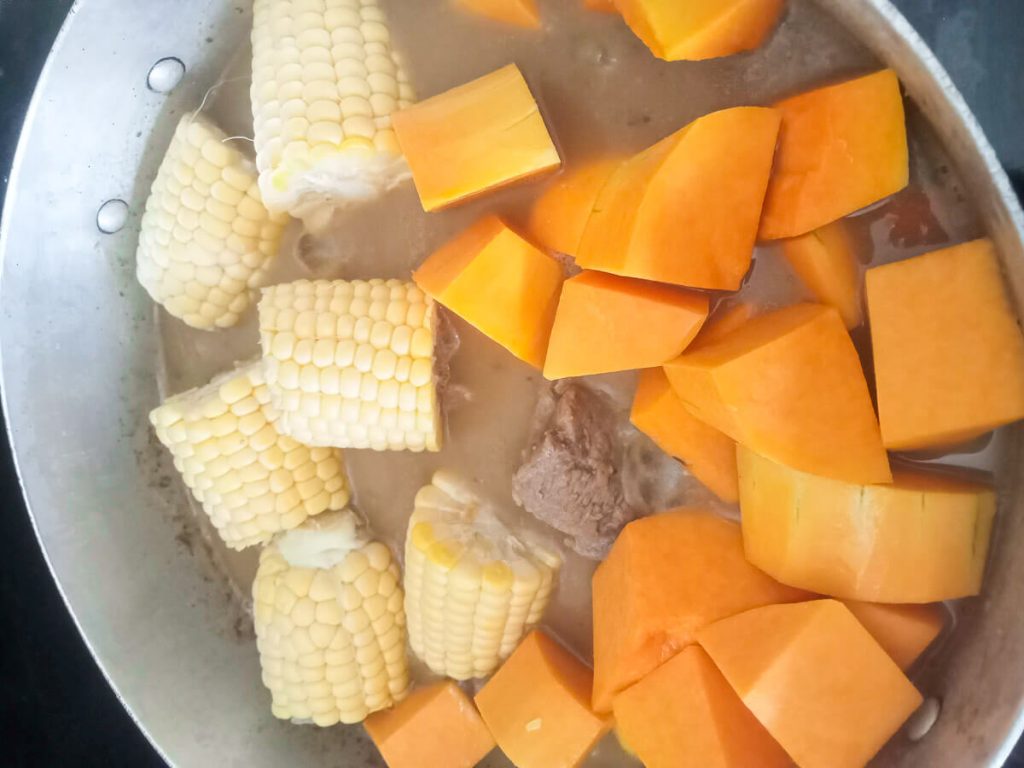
{"points": [[80, 351]]}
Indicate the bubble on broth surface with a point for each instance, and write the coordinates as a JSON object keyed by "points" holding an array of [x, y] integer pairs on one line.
{"points": [[112, 216], [923, 720], [165, 75]]}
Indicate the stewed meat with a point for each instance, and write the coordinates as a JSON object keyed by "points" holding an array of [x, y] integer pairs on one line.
{"points": [[571, 477]]}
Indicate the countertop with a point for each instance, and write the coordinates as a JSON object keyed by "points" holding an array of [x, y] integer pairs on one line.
{"points": [[55, 706]]}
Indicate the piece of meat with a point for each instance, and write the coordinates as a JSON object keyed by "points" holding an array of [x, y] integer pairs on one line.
{"points": [[571, 477]]}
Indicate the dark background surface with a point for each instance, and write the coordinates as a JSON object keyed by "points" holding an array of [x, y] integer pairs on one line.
{"points": [[56, 709]]}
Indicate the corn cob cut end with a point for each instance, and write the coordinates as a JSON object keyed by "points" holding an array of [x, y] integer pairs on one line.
{"points": [[326, 81], [473, 588], [354, 172], [206, 239], [331, 638], [351, 364], [252, 481]]}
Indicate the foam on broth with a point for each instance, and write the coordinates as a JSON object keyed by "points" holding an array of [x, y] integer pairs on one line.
{"points": [[600, 89]]}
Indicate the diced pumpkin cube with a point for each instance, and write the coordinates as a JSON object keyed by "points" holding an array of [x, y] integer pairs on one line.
{"points": [[666, 577], [518, 13], [709, 454], [686, 210], [724, 321], [685, 715], [903, 631], [606, 323], [949, 356], [826, 262], [537, 706], [436, 726], [841, 148], [604, 6], [700, 29], [921, 539], [499, 283], [475, 138], [789, 385], [558, 217], [815, 678]]}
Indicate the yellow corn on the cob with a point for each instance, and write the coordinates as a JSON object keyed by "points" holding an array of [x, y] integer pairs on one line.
{"points": [[252, 481], [472, 589], [350, 364], [325, 83], [206, 238], [330, 627]]}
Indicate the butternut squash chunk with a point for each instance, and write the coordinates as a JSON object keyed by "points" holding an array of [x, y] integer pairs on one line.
{"points": [[815, 678], [475, 138], [949, 356], [436, 726], [558, 217], [606, 323], [518, 13], [789, 385], [841, 148], [709, 454], [922, 539], [537, 705], [498, 283], [604, 6], [826, 262], [685, 715], [903, 631], [666, 577], [700, 29], [686, 210]]}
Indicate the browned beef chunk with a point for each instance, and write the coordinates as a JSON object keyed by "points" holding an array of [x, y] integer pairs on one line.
{"points": [[571, 477]]}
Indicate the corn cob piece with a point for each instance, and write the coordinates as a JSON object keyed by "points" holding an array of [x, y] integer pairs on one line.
{"points": [[472, 588], [350, 364], [251, 480], [325, 83], [206, 239], [330, 626]]}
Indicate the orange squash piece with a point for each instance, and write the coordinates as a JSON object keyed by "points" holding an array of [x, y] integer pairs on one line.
{"points": [[686, 210], [709, 454], [518, 13], [604, 6], [826, 262], [436, 726], [701, 29], [789, 385], [903, 631], [558, 217], [537, 705], [475, 138], [685, 715], [666, 577], [499, 283], [921, 539], [815, 678], [949, 356], [841, 149], [606, 323]]}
